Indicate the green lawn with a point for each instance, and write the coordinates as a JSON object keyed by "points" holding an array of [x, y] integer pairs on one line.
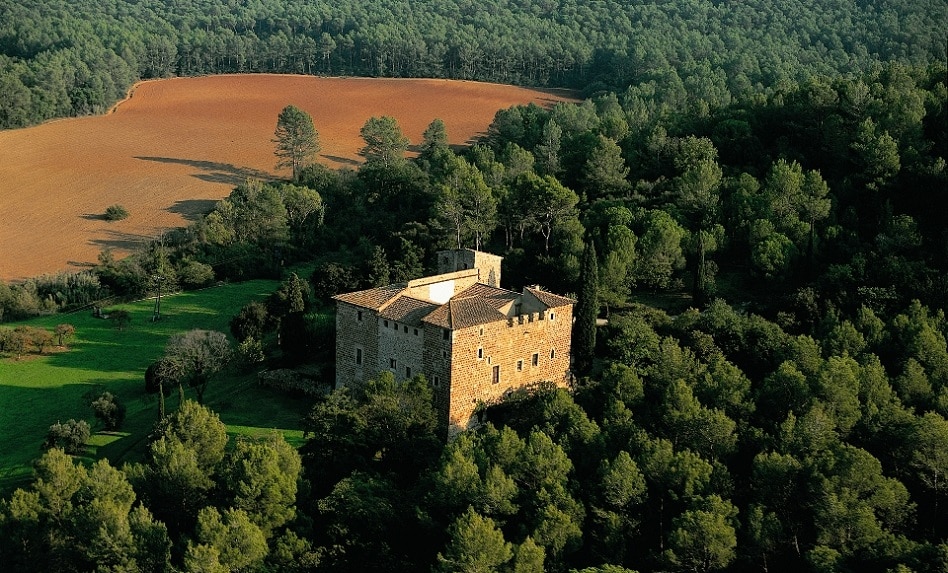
{"points": [[36, 391]]}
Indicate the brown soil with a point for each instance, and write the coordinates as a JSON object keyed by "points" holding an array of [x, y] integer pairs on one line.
{"points": [[176, 146]]}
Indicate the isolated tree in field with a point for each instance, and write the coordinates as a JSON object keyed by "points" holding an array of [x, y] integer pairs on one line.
{"points": [[194, 357], [70, 436], [296, 139], [64, 332], [108, 409], [384, 142], [120, 318]]}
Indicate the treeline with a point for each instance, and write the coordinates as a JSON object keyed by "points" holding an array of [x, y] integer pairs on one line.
{"points": [[72, 57]]}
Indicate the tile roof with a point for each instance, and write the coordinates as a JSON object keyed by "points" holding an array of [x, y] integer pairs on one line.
{"points": [[549, 299], [478, 304], [374, 298], [408, 310], [496, 297], [464, 312]]}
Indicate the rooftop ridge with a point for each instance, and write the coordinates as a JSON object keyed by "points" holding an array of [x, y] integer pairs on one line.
{"points": [[441, 278]]}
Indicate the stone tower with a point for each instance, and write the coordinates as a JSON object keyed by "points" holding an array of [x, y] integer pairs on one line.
{"points": [[463, 259]]}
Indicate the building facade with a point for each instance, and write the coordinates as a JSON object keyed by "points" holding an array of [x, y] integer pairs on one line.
{"points": [[472, 340]]}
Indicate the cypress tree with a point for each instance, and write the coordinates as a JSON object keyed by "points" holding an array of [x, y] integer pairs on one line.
{"points": [[587, 308]]}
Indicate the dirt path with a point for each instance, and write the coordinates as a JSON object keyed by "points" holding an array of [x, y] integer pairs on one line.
{"points": [[176, 146]]}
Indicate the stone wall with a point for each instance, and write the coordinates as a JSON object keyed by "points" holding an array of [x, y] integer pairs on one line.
{"points": [[357, 341], [492, 360], [401, 349], [438, 343]]}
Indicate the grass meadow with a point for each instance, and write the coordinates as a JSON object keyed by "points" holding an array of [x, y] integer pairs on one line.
{"points": [[38, 390]]}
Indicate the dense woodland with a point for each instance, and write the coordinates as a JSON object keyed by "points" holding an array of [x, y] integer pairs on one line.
{"points": [[770, 392], [74, 57]]}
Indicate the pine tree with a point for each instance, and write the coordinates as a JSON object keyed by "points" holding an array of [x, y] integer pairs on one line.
{"points": [[587, 308], [296, 139]]}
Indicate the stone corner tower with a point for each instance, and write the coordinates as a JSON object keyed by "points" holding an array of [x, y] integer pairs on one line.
{"points": [[461, 259]]}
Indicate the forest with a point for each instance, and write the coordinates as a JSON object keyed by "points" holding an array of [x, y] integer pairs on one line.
{"points": [[770, 389], [75, 57]]}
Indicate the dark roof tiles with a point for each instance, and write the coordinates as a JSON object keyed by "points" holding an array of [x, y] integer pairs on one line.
{"points": [[408, 310], [478, 304], [549, 299], [374, 298]]}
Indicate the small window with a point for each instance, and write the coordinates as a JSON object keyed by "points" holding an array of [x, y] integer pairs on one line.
{"points": [[416, 332], [495, 377], [386, 324], [482, 332], [536, 359], [444, 354], [520, 366], [395, 325], [445, 334], [436, 382], [480, 353], [552, 315], [407, 372], [359, 356], [552, 354], [405, 329], [392, 363], [359, 316]]}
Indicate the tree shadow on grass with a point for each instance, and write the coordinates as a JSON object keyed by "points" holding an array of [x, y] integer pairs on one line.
{"points": [[213, 171]]}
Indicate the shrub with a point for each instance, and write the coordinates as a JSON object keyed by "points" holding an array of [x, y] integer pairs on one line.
{"points": [[70, 436], [290, 382], [39, 338], [109, 410], [120, 318], [116, 213], [194, 274], [250, 353]]}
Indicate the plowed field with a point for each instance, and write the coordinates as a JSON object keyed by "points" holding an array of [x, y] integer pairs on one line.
{"points": [[176, 146]]}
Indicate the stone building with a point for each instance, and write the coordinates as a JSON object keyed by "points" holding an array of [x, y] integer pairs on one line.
{"points": [[473, 341]]}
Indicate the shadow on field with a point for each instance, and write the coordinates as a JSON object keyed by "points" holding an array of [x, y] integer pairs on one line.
{"points": [[342, 160], [213, 171], [192, 209], [123, 241]]}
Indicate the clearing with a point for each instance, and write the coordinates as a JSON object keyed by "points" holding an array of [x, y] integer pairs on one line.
{"points": [[177, 146]]}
